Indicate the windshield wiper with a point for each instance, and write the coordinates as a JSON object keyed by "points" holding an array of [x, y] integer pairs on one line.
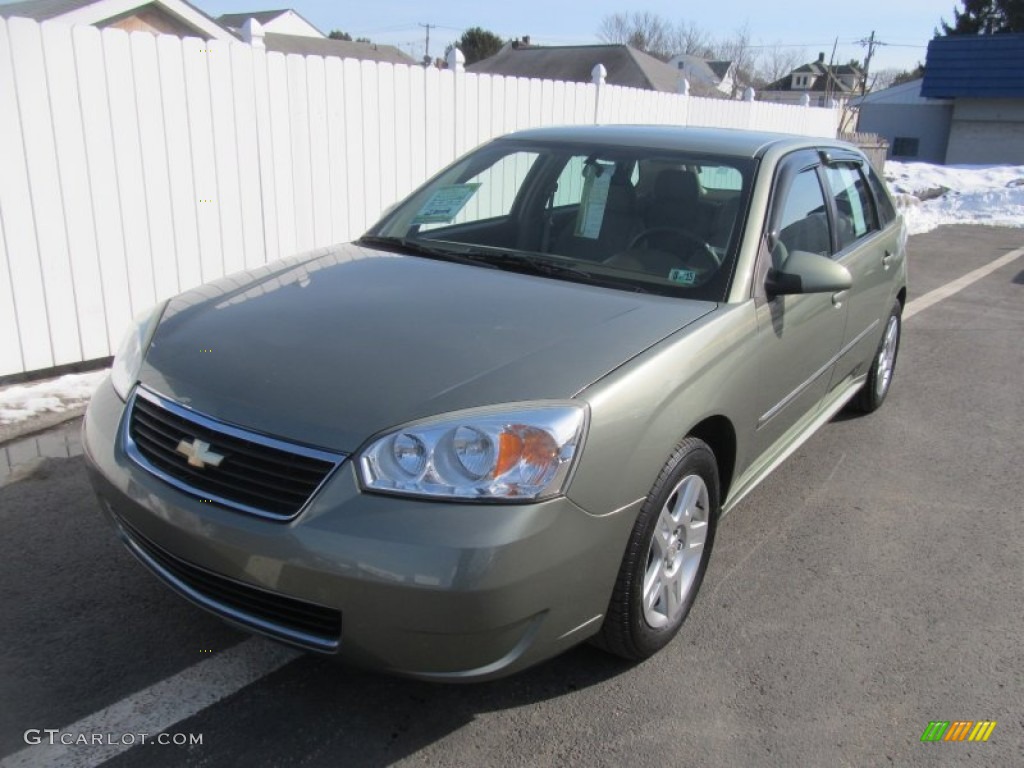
{"points": [[531, 263], [528, 262], [419, 248]]}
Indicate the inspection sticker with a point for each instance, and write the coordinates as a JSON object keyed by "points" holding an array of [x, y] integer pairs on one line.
{"points": [[684, 276], [445, 204]]}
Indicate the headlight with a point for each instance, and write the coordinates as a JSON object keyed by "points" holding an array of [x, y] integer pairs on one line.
{"points": [[518, 454], [125, 370]]}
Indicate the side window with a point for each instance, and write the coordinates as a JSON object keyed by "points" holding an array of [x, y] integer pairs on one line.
{"points": [[803, 223], [720, 177], [886, 212], [570, 182], [855, 215]]}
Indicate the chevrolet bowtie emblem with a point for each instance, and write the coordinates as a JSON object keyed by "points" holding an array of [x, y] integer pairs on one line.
{"points": [[199, 453]]}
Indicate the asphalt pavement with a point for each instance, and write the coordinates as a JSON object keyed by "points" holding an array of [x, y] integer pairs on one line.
{"points": [[874, 583]]}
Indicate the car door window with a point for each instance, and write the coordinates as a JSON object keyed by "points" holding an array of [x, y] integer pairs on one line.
{"points": [[803, 223], [886, 212], [569, 190], [855, 215]]}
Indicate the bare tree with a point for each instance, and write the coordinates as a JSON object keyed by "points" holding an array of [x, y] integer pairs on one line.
{"points": [[645, 31], [778, 61], [739, 51], [692, 40], [886, 78]]}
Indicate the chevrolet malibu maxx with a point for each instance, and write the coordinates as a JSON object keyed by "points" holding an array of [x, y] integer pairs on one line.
{"points": [[509, 418]]}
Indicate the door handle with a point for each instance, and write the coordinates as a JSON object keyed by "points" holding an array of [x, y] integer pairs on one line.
{"points": [[839, 297], [886, 259]]}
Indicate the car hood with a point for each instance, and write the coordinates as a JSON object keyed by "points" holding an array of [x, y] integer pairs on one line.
{"points": [[332, 347]]}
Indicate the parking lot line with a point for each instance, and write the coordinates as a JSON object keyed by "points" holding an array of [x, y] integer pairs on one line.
{"points": [[152, 710], [934, 297]]}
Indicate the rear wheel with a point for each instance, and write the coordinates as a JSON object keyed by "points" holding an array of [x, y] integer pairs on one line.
{"points": [[883, 368], [666, 557]]}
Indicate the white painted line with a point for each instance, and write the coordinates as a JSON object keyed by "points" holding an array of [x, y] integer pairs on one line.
{"points": [[922, 303], [157, 708]]}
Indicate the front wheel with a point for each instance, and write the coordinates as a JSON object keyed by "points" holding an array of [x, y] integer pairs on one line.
{"points": [[666, 557], [883, 368]]}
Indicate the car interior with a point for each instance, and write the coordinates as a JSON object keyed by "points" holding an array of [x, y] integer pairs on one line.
{"points": [[660, 218]]}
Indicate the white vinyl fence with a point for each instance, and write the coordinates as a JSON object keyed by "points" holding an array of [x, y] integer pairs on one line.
{"points": [[135, 166]]}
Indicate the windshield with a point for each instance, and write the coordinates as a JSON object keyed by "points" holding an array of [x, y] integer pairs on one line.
{"points": [[625, 217]]}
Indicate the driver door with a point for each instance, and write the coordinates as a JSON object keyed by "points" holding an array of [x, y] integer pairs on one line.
{"points": [[799, 336]]}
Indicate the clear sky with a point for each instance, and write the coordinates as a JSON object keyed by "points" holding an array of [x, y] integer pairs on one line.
{"points": [[811, 25]]}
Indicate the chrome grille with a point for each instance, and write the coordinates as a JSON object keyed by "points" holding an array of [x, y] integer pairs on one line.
{"points": [[258, 474]]}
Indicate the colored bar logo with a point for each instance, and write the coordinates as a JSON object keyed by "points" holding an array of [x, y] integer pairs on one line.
{"points": [[958, 730]]}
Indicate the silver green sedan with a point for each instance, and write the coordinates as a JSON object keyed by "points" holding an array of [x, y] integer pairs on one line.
{"points": [[509, 418]]}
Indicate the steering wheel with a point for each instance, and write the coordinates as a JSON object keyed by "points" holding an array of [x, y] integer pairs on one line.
{"points": [[705, 252]]}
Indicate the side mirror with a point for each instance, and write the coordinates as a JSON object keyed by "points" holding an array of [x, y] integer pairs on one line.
{"points": [[805, 272]]}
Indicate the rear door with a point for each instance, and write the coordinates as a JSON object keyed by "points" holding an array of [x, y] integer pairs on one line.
{"points": [[871, 252]]}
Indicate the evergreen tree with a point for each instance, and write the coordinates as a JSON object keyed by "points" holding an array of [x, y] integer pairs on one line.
{"points": [[477, 44], [986, 17]]}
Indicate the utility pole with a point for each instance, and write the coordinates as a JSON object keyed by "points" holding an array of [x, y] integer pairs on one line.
{"points": [[871, 44], [426, 56]]}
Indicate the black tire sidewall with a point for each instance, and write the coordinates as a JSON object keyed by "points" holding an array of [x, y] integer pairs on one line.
{"points": [[871, 400], [692, 457]]}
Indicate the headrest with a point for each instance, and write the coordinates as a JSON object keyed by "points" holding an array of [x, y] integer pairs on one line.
{"points": [[676, 185]]}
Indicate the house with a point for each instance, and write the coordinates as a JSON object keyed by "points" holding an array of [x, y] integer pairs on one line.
{"points": [[916, 127], [818, 82], [284, 31], [983, 76], [345, 49], [282, 22], [706, 78], [574, 63], [162, 17]]}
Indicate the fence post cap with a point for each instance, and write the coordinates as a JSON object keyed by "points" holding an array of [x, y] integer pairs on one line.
{"points": [[598, 73], [748, 94], [683, 86], [456, 60], [805, 100]]}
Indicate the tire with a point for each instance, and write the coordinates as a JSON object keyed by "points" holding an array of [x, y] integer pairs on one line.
{"points": [[668, 551], [883, 368]]}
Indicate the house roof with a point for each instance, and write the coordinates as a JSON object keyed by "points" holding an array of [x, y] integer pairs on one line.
{"points": [[820, 84], [236, 20], [626, 66], [978, 66], [97, 11], [720, 68], [698, 68], [324, 46], [41, 10], [904, 93], [819, 67]]}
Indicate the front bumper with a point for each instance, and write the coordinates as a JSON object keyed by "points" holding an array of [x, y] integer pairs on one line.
{"points": [[429, 589]]}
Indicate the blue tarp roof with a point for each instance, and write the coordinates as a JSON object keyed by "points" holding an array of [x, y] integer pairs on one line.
{"points": [[976, 66]]}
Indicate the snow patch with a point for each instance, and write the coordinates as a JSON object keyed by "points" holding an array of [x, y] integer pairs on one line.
{"points": [[23, 401], [930, 196]]}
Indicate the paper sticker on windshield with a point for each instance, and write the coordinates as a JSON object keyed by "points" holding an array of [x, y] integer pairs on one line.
{"points": [[445, 204], [683, 276], [597, 179]]}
